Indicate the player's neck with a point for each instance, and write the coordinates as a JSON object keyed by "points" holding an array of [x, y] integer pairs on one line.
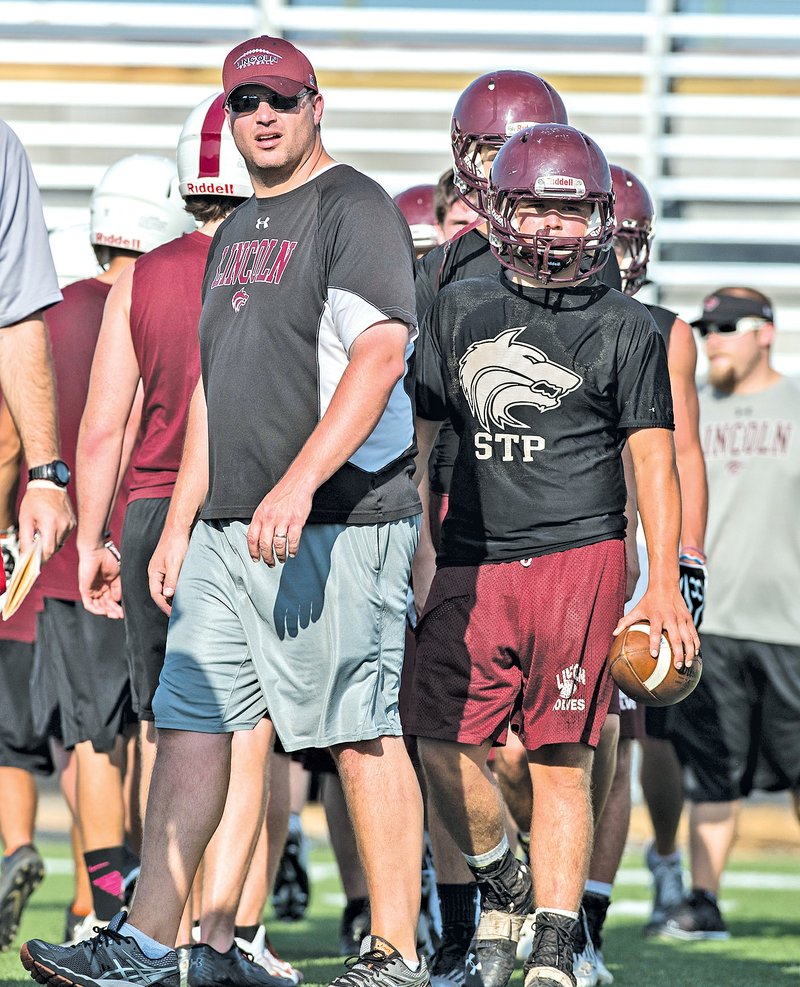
{"points": [[268, 183], [760, 379]]}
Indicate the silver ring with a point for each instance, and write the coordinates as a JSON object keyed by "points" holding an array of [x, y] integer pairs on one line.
{"points": [[276, 535]]}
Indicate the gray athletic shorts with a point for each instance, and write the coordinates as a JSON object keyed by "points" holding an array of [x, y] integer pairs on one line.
{"points": [[316, 643]]}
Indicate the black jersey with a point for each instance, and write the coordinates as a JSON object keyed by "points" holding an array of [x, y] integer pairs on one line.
{"points": [[664, 320], [466, 255], [541, 386], [292, 280]]}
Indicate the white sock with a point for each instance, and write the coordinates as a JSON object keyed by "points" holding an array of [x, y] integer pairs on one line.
{"points": [[490, 857], [152, 949], [556, 911], [413, 965], [599, 887]]}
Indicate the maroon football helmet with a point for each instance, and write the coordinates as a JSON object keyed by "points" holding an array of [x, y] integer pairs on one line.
{"points": [[418, 205], [633, 208], [550, 161], [490, 110]]}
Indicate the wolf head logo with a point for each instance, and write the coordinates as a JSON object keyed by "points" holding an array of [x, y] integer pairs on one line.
{"points": [[239, 300], [501, 373]]}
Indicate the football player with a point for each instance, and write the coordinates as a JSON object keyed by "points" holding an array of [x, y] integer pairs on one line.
{"points": [[418, 206], [491, 109], [530, 573]]}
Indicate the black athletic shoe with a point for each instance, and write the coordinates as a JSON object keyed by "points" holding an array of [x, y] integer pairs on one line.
{"points": [[698, 917], [550, 962], [448, 967], [291, 890], [21, 873], [106, 958], [379, 964], [355, 925], [506, 896], [236, 968]]}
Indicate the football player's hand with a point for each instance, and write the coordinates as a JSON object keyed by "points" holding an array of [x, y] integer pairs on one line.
{"points": [[99, 582], [663, 607], [278, 522], [49, 512], [693, 580], [165, 566]]}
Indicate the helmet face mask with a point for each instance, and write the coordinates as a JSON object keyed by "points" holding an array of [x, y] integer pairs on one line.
{"points": [[418, 206], [553, 165], [491, 110], [635, 228]]}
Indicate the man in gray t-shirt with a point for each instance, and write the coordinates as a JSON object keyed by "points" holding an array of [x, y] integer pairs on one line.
{"points": [[28, 285], [292, 596], [738, 730]]}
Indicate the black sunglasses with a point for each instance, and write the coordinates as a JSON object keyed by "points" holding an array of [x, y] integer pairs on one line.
{"points": [[248, 102], [738, 328]]}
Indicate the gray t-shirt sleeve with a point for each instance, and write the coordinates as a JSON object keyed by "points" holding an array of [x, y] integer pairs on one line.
{"points": [[28, 279], [368, 256]]}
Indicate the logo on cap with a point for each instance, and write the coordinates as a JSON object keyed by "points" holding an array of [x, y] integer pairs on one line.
{"points": [[711, 303], [256, 56]]}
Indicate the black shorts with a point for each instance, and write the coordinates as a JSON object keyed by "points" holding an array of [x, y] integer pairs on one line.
{"points": [[145, 625], [631, 718], [21, 745], [658, 721], [87, 658], [739, 729]]}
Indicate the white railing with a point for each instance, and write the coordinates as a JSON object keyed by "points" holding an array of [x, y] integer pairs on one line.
{"points": [[706, 108]]}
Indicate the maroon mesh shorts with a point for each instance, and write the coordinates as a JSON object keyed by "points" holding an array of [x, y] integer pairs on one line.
{"points": [[525, 642]]}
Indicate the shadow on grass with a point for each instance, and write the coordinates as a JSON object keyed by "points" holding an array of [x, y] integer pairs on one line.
{"points": [[758, 953]]}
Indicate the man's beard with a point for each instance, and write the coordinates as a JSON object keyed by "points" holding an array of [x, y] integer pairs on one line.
{"points": [[723, 378]]}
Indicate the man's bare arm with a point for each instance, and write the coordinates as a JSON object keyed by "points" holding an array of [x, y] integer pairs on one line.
{"points": [[27, 383], [188, 496], [688, 450], [377, 363], [659, 498], [101, 443], [10, 455]]}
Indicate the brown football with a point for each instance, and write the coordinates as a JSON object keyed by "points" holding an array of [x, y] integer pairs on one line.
{"points": [[648, 680]]}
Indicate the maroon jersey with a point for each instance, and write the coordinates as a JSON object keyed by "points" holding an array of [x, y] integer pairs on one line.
{"points": [[74, 326], [165, 312]]}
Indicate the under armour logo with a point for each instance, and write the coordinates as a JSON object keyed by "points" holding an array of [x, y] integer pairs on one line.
{"points": [[263, 223]]}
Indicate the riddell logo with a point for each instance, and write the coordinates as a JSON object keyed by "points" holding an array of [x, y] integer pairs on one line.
{"points": [[256, 56], [239, 300], [209, 188], [117, 241], [567, 682]]}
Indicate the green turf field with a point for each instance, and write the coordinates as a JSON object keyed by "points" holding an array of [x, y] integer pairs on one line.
{"points": [[761, 902]]}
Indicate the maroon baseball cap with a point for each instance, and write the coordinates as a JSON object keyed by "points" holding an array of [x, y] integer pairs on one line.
{"points": [[270, 62]]}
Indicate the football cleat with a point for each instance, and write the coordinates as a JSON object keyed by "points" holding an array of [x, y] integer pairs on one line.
{"points": [[698, 917], [21, 873], [551, 960], [379, 964], [667, 886]]}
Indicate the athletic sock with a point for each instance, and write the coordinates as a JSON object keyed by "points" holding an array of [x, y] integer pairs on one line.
{"points": [[105, 873], [600, 888], [485, 861], [248, 932], [151, 948], [556, 911], [458, 904]]}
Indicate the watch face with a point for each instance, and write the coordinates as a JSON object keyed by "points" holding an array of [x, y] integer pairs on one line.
{"points": [[62, 473]]}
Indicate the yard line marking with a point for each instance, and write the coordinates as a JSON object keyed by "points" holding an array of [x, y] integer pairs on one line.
{"points": [[750, 880]]}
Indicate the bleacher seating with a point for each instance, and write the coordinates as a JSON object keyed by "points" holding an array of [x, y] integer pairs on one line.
{"points": [[704, 106]]}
